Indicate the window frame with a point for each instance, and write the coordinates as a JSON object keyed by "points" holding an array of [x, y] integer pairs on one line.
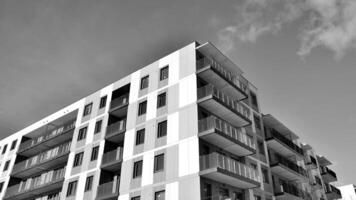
{"points": [[89, 183], [87, 109], [82, 133], [13, 145], [6, 166], [98, 126], [162, 74], [72, 188], [161, 100], [140, 136], [4, 149], [94, 153], [157, 161], [143, 84], [103, 100], [78, 159], [141, 110], [162, 130], [159, 193], [137, 169]]}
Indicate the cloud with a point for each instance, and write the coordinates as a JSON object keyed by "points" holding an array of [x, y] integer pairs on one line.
{"points": [[327, 23]]}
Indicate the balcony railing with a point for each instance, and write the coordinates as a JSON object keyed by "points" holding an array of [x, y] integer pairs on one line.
{"points": [[51, 154], [108, 189], [326, 170], [39, 182], [293, 190], [216, 160], [277, 159], [236, 80], [331, 189], [112, 156], [213, 122], [119, 102], [43, 138], [117, 127], [275, 134], [210, 90]]}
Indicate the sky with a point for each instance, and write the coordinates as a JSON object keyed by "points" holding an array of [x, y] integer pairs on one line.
{"points": [[299, 54]]}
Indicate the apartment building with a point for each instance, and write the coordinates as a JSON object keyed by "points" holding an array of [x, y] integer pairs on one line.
{"points": [[186, 127]]}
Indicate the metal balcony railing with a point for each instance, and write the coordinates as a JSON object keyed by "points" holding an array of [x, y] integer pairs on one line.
{"points": [[293, 190], [117, 127], [224, 127], [112, 156], [47, 136], [275, 134], [278, 159], [108, 189], [120, 101], [234, 105], [216, 160], [236, 80]]}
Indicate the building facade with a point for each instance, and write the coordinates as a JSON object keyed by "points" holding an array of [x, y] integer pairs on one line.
{"points": [[186, 127]]}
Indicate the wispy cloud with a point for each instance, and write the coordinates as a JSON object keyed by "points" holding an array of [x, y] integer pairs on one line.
{"points": [[327, 23]]}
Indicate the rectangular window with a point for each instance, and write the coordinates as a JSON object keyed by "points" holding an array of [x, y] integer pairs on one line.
{"points": [[103, 102], [89, 183], [136, 198], [142, 107], [159, 163], [1, 186], [87, 109], [98, 125], [82, 134], [140, 136], [4, 149], [161, 100], [94, 153], [160, 195], [137, 170], [261, 147], [13, 144], [78, 159], [257, 122], [6, 166], [162, 129], [163, 73], [265, 175], [144, 82], [254, 99], [257, 197], [72, 188]]}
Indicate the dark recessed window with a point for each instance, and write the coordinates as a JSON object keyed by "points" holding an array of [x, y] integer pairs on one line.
{"points": [[162, 129], [103, 102], [98, 125], [13, 144], [136, 198], [4, 149], [142, 108], [1, 186], [163, 73], [78, 159], [159, 163], [254, 99], [72, 188], [161, 100], [94, 153], [144, 82], [6, 166], [82, 134], [160, 195], [257, 122], [89, 183], [87, 109], [265, 175], [140, 136], [137, 169], [261, 147]]}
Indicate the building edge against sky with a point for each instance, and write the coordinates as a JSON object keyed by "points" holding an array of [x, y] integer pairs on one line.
{"points": [[187, 126]]}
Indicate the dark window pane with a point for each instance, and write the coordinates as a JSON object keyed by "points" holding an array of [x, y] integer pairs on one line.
{"points": [[163, 73], [142, 107], [160, 195], [98, 125], [78, 159], [103, 101], [82, 133], [13, 145], [140, 136], [72, 188], [88, 183], [4, 149], [161, 100], [94, 153], [144, 82], [162, 129], [137, 170], [87, 109], [159, 163]]}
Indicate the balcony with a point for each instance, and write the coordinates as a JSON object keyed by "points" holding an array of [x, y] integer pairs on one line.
{"points": [[287, 169], [112, 160], [282, 145], [48, 160], [225, 136], [328, 175], [109, 190], [228, 171], [212, 72], [311, 162], [323, 161], [32, 188], [291, 192], [332, 192], [317, 183], [118, 106], [48, 140], [223, 106], [115, 132]]}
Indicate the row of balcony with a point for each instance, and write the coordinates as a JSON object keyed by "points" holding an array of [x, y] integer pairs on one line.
{"points": [[291, 192], [287, 168], [283, 145], [328, 175]]}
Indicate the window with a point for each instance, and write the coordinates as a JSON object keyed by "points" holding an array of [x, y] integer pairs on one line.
{"points": [[94, 153], [136, 198], [257, 197], [13, 145], [89, 183], [4, 149], [98, 126], [87, 109], [257, 122], [163, 73], [261, 147], [140, 136], [78, 159], [160, 195], [72, 188], [6, 166], [253, 99], [207, 192], [82, 133], [137, 170], [159, 163], [103, 102], [144, 82], [161, 100], [162, 129], [265, 175], [1, 186], [142, 107]]}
